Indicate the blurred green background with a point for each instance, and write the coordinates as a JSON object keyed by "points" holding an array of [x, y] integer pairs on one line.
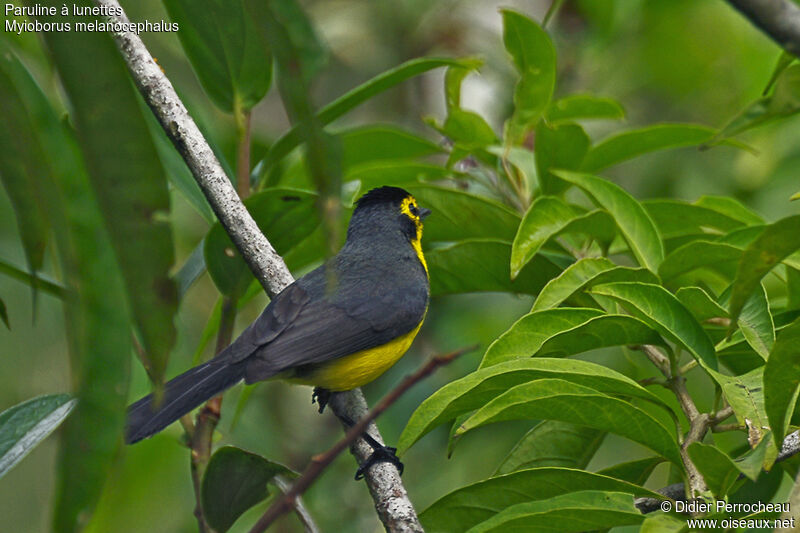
{"points": [[665, 60]]}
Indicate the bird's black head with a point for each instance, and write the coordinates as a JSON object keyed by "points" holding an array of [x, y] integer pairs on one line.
{"points": [[388, 210]]}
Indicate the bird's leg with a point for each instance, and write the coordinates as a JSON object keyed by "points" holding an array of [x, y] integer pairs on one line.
{"points": [[380, 453], [322, 397]]}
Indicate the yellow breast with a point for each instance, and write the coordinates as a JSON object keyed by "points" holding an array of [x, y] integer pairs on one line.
{"points": [[359, 368]]}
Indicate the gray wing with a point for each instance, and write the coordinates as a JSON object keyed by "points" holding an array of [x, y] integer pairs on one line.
{"points": [[304, 325]]}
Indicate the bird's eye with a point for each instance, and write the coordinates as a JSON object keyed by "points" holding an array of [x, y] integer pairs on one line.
{"points": [[413, 209]]}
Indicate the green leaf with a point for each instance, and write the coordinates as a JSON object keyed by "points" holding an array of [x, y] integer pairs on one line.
{"points": [[584, 510], [745, 394], [309, 50], [457, 215], [98, 323], [522, 159], [700, 303], [526, 335], [633, 471], [557, 399], [473, 504], [597, 224], [663, 312], [476, 389], [4, 314], [600, 332], [483, 265], [730, 207], [17, 163], [283, 24], [129, 183], [227, 53], [664, 523], [25, 425], [535, 60], [353, 98], [453, 77], [755, 321], [633, 221], [234, 481], [583, 274], [582, 107], [782, 380], [546, 216], [382, 142], [285, 216], [633, 143], [774, 244], [792, 288], [782, 103], [468, 130], [22, 167], [698, 254], [398, 173], [192, 269], [761, 458], [42, 281], [784, 60], [553, 443], [177, 172], [719, 470], [675, 218], [558, 146]]}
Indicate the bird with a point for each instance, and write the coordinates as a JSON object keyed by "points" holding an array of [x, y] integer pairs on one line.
{"points": [[337, 328]]}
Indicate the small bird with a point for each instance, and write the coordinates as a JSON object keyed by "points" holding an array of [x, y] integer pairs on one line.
{"points": [[337, 328]]}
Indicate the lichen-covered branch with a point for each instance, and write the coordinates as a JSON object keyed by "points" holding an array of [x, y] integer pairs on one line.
{"points": [[391, 500], [267, 266]]}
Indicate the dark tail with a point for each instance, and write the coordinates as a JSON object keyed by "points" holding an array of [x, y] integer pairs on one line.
{"points": [[181, 395]]}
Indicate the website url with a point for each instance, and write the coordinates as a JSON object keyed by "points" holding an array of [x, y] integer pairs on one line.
{"points": [[748, 523]]}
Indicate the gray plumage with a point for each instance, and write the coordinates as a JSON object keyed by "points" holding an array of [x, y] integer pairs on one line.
{"points": [[380, 292]]}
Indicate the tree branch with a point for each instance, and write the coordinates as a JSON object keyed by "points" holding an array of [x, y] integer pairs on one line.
{"points": [[388, 492], [780, 19], [267, 266], [320, 462]]}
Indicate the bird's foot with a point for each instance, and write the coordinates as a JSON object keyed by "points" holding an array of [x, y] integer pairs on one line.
{"points": [[380, 453], [322, 397]]}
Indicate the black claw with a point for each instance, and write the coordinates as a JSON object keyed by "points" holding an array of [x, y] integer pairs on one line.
{"points": [[322, 397], [381, 454]]}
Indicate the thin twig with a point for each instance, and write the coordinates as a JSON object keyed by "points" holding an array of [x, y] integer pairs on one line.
{"points": [[721, 415], [551, 11], [299, 507], [657, 358], [201, 438], [699, 423], [387, 490], [320, 462], [722, 428], [243, 150]]}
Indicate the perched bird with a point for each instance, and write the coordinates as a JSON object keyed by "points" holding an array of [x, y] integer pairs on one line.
{"points": [[337, 328]]}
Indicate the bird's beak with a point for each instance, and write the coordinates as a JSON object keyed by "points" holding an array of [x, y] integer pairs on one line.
{"points": [[423, 213]]}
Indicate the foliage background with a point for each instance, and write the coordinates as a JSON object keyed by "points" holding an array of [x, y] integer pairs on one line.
{"points": [[683, 60]]}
